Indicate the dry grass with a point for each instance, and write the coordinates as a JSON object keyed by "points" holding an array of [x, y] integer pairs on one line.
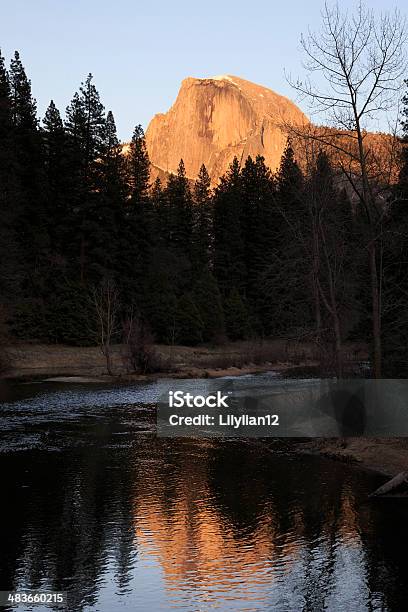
{"points": [[53, 360]]}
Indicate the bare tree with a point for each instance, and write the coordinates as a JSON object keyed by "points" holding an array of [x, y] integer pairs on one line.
{"points": [[105, 301], [140, 354], [361, 63]]}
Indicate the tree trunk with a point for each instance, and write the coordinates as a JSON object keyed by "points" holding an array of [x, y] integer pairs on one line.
{"points": [[392, 484], [108, 360], [375, 292], [376, 311], [318, 314], [82, 259], [336, 327], [338, 344]]}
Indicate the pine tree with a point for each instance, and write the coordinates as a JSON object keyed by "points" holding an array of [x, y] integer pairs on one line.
{"points": [[137, 232], [60, 190], [289, 180], [104, 218], [229, 258], [59, 180], [160, 215], [168, 275], [237, 317], [287, 284], [5, 102], [24, 109], [10, 255], [85, 125], [53, 131], [139, 166], [208, 300], [85, 122], [179, 213], [258, 233], [30, 196], [75, 122], [173, 250], [112, 166], [188, 322], [202, 222], [159, 211], [69, 312], [160, 301], [27, 143]]}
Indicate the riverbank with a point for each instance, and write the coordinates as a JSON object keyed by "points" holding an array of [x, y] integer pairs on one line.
{"points": [[25, 361], [28, 361], [386, 456]]}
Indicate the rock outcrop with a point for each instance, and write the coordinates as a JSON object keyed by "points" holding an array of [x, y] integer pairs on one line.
{"points": [[213, 120]]}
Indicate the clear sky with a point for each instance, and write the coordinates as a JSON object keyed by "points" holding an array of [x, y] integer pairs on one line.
{"points": [[139, 51]]}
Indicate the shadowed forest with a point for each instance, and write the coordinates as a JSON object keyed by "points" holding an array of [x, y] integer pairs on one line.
{"points": [[91, 251]]}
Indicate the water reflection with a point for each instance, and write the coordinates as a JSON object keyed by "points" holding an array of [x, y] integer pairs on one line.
{"points": [[127, 521]]}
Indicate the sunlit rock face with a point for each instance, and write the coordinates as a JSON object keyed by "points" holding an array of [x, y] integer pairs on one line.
{"points": [[213, 120]]}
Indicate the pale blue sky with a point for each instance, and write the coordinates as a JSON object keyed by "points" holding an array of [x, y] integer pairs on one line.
{"points": [[139, 52]]}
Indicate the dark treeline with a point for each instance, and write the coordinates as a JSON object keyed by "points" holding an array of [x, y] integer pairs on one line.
{"points": [[84, 234]]}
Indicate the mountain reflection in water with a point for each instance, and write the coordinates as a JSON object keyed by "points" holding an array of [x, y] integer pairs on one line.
{"points": [[122, 520]]}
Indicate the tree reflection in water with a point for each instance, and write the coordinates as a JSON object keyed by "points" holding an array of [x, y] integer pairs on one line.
{"points": [[190, 525]]}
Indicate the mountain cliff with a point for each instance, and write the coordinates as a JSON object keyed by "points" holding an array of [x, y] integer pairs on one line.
{"points": [[215, 119]]}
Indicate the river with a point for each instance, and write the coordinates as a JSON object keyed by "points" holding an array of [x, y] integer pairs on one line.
{"points": [[95, 504]]}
